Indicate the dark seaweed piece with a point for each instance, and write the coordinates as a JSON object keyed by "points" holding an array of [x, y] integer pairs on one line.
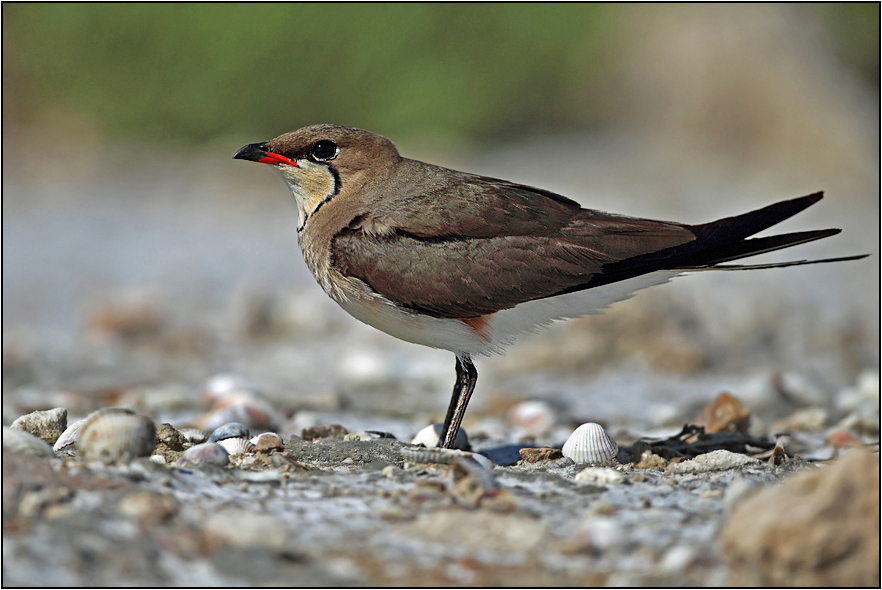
{"points": [[693, 441]]}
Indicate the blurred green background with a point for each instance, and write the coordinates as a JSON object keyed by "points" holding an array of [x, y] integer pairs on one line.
{"points": [[441, 73]]}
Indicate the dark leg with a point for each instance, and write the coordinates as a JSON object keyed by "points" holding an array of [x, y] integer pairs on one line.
{"points": [[466, 377]]}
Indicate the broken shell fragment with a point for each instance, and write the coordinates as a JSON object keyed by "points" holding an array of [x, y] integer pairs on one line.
{"points": [[229, 430], [66, 443], [590, 444], [430, 437], [204, 454], [21, 441], [116, 434], [47, 425]]}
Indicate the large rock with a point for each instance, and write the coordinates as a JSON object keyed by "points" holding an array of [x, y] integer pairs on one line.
{"points": [[816, 529]]}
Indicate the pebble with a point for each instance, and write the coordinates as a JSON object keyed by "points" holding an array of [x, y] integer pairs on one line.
{"points": [[268, 441], [46, 425], [721, 460], [204, 454], [649, 460], [229, 430], [20, 441], [600, 476]]}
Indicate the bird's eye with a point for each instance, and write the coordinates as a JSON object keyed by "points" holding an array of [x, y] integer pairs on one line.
{"points": [[324, 150]]}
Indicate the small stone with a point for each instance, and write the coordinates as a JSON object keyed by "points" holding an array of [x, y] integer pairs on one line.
{"points": [[600, 476], [540, 454], [229, 430], [266, 442], [46, 425], [169, 436], [204, 454], [21, 441], [649, 460], [720, 460]]}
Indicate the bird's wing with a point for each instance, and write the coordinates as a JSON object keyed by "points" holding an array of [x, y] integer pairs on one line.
{"points": [[489, 245]]}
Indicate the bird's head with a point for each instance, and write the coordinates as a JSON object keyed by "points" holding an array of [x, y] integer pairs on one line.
{"points": [[320, 162]]}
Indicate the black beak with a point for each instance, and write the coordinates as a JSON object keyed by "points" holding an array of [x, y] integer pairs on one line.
{"points": [[253, 151]]}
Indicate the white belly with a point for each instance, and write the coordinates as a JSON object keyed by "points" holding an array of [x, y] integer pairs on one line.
{"points": [[494, 332]]}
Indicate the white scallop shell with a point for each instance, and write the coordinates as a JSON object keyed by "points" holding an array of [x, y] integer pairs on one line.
{"points": [[590, 444], [237, 445], [116, 434], [21, 441]]}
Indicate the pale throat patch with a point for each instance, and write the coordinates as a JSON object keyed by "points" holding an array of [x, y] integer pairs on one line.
{"points": [[311, 184]]}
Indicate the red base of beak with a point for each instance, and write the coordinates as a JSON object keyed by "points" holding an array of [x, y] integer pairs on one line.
{"points": [[273, 158]]}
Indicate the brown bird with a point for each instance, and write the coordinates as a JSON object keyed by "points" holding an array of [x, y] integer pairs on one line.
{"points": [[466, 263]]}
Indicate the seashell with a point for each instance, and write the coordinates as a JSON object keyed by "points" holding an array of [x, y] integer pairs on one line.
{"points": [[204, 454], [193, 435], [442, 456], [430, 437], [116, 434], [237, 445], [21, 441], [229, 430], [65, 445], [268, 441], [590, 444], [47, 425]]}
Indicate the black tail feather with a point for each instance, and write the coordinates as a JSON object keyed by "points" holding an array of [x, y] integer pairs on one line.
{"points": [[730, 229], [753, 247], [771, 264], [721, 241]]}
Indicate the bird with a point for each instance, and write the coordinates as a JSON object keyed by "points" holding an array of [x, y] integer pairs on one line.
{"points": [[467, 263]]}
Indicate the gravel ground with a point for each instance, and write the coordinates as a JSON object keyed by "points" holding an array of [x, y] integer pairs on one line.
{"points": [[134, 288]]}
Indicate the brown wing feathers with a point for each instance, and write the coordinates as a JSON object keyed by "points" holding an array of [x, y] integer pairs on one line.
{"points": [[489, 248]]}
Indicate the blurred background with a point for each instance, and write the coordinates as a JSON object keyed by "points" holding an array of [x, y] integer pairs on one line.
{"points": [[139, 258]]}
